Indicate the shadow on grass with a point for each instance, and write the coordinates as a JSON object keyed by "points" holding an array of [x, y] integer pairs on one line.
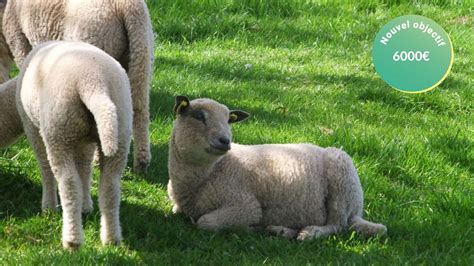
{"points": [[158, 170], [175, 239], [19, 195]]}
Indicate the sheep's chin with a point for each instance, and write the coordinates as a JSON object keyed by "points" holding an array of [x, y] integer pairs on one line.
{"points": [[214, 151]]}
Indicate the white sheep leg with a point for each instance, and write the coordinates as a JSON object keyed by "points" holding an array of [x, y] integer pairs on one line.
{"points": [[109, 197], [49, 198], [366, 228], [249, 213], [314, 231], [141, 137], [282, 231], [83, 157], [70, 192]]}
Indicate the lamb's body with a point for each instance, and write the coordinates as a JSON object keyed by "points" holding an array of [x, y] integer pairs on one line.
{"points": [[285, 187], [10, 123], [121, 28], [72, 96], [289, 182]]}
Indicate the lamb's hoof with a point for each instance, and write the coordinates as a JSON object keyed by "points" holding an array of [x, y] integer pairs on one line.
{"points": [[87, 205], [87, 209], [141, 167], [113, 242], [111, 237], [302, 236], [309, 233], [377, 230], [72, 246], [381, 230], [46, 207]]}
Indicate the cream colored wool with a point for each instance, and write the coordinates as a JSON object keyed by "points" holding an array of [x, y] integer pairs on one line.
{"points": [[294, 190], [72, 96], [122, 28], [6, 59], [10, 123]]}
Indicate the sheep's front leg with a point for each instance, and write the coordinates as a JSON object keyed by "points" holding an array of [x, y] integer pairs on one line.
{"points": [[70, 192], [315, 231], [84, 156], [241, 215], [141, 138], [282, 231], [109, 196]]}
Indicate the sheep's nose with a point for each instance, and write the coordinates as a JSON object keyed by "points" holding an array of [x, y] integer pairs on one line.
{"points": [[224, 140], [221, 143]]}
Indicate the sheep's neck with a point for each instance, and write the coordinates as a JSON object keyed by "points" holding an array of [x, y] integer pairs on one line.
{"points": [[187, 180]]}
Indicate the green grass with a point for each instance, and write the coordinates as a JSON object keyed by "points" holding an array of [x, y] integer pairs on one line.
{"points": [[312, 80]]}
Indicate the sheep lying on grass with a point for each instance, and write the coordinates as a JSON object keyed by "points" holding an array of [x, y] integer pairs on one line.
{"points": [[72, 96], [294, 190], [10, 123], [120, 28]]}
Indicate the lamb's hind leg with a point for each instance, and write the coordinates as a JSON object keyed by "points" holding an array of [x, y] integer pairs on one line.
{"points": [[70, 192], [315, 231], [109, 196], [366, 228], [49, 198], [344, 198], [83, 157]]}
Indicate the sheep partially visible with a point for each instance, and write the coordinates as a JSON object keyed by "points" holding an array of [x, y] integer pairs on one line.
{"points": [[72, 96], [6, 59], [294, 190], [120, 28], [11, 129], [10, 123]]}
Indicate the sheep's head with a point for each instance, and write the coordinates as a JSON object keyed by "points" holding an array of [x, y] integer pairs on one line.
{"points": [[201, 130]]}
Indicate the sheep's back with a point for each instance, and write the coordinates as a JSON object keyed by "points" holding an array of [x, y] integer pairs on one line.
{"points": [[99, 23]]}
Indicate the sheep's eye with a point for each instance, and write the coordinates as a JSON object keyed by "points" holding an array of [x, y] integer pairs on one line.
{"points": [[199, 115]]}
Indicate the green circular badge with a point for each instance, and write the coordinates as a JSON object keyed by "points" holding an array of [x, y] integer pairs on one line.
{"points": [[412, 54]]}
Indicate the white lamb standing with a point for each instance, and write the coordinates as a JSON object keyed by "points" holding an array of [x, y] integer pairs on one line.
{"points": [[294, 190], [122, 28], [71, 97]]}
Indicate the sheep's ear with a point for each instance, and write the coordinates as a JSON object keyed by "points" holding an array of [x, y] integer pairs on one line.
{"points": [[237, 116], [181, 104]]}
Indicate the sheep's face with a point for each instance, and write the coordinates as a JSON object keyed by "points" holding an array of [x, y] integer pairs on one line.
{"points": [[201, 130]]}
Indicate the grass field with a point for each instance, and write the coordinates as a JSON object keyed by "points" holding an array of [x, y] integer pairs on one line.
{"points": [[311, 80]]}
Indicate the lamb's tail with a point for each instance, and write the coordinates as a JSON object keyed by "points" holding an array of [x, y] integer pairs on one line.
{"points": [[366, 228], [104, 111]]}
